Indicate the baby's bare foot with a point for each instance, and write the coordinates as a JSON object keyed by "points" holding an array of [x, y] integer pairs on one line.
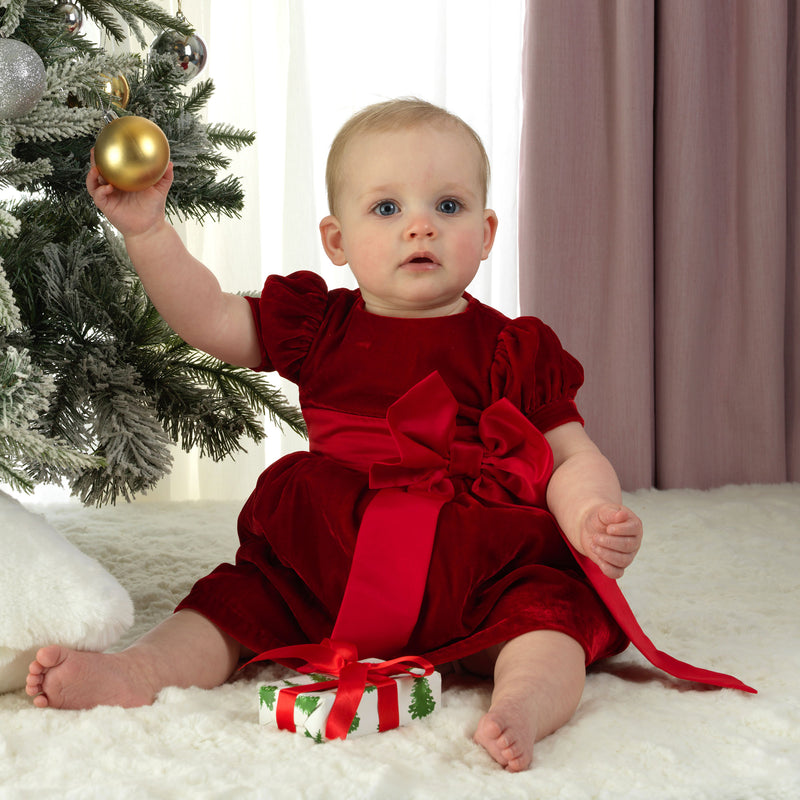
{"points": [[507, 732], [538, 681], [65, 678]]}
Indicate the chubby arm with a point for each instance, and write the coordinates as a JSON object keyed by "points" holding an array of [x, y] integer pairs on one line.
{"points": [[585, 497], [184, 291]]}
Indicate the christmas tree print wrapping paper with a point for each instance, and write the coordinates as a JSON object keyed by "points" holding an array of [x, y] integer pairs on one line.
{"points": [[417, 698]]}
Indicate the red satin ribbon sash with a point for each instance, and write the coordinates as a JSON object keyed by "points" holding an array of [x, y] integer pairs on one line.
{"points": [[510, 462], [383, 594], [615, 601], [351, 677]]}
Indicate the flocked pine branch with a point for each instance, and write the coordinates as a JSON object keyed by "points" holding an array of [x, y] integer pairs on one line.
{"points": [[9, 225], [221, 135], [198, 98], [9, 314], [90, 72], [12, 14], [129, 437], [16, 173], [53, 124], [24, 394], [232, 402]]}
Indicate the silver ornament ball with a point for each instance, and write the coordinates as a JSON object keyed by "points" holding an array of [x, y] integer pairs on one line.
{"points": [[72, 16], [22, 77], [189, 51]]}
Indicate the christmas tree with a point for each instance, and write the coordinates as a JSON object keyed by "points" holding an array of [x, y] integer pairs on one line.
{"points": [[94, 387], [422, 699], [268, 696]]}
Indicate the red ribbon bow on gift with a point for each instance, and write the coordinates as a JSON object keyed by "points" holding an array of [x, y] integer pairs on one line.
{"points": [[350, 679], [511, 462]]}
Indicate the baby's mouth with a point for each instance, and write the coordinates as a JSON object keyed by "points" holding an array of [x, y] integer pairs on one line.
{"points": [[421, 260]]}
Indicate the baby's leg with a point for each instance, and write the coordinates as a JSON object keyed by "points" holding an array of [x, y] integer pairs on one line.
{"points": [[185, 650], [538, 682]]}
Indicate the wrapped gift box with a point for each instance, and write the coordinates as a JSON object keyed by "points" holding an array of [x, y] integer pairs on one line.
{"points": [[417, 697]]}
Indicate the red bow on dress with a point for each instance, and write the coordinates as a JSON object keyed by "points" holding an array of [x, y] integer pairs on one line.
{"points": [[511, 462]]}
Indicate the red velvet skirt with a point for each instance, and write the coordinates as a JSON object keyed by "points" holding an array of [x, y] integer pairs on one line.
{"points": [[496, 570]]}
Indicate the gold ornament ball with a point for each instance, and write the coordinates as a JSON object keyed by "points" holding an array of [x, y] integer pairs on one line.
{"points": [[131, 153], [119, 89]]}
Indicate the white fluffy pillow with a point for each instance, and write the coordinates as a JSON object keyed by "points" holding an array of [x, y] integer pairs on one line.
{"points": [[50, 593]]}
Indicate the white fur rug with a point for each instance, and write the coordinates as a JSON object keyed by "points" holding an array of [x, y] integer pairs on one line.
{"points": [[716, 583]]}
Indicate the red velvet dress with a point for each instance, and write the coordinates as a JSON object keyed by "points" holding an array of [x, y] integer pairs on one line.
{"points": [[498, 567]]}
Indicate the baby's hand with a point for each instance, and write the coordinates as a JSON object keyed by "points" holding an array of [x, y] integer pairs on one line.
{"points": [[611, 538], [131, 213]]}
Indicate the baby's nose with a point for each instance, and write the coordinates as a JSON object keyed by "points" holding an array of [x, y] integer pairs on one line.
{"points": [[421, 226]]}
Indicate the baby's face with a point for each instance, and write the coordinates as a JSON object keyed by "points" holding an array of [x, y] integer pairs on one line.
{"points": [[411, 223]]}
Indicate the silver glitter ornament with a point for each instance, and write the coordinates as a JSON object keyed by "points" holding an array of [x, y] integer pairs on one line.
{"points": [[22, 78], [72, 16]]}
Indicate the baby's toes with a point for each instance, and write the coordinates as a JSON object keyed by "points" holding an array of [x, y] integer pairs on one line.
{"points": [[33, 683], [490, 736], [517, 760], [35, 668]]}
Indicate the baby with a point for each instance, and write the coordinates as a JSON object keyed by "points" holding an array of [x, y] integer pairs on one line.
{"points": [[438, 427]]}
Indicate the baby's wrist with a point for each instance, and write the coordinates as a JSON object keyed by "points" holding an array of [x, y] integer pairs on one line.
{"points": [[150, 234]]}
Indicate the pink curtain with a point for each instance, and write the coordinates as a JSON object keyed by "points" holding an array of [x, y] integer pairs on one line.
{"points": [[658, 228]]}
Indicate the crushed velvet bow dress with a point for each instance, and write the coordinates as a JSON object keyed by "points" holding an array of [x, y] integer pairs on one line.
{"points": [[417, 522]]}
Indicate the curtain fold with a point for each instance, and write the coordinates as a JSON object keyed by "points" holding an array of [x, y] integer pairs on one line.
{"points": [[658, 218]]}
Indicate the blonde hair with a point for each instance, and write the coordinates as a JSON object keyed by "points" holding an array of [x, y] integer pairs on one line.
{"points": [[399, 114]]}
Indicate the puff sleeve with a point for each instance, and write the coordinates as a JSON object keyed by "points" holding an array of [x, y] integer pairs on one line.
{"points": [[287, 316], [534, 372]]}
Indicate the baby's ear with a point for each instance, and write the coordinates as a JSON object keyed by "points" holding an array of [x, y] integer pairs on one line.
{"points": [[331, 233], [490, 223]]}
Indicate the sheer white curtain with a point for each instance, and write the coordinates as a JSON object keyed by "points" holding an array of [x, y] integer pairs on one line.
{"points": [[294, 71]]}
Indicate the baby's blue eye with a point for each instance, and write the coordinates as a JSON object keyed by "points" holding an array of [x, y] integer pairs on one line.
{"points": [[386, 208], [449, 206]]}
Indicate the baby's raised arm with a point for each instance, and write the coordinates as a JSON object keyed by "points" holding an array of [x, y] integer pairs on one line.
{"points": [[585, 497], [183, 290]]}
